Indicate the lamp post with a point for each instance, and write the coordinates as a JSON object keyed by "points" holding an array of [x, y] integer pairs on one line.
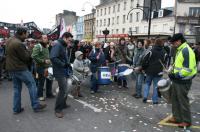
{"points": [[106, 32], [148, 16]]}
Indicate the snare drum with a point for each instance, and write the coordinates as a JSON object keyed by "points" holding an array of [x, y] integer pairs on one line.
{"points": [[121, 68], [104, 75]]}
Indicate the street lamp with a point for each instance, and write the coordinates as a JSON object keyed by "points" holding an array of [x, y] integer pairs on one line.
{"points": [[106, 32]]}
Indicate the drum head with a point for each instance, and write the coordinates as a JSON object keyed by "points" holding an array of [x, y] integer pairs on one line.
{"points": [[50, 70]]}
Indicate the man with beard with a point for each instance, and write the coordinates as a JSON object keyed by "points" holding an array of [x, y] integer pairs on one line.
{"points": [[41, 57]]}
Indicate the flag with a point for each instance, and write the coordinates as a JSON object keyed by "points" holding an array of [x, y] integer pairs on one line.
{"points": [[62, 27]]}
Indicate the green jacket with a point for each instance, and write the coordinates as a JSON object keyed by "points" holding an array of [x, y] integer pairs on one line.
{"points": [[17, 56], [39, 55]]}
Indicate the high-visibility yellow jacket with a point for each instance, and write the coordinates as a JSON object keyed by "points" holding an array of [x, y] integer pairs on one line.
{"points": [[185, 63]]}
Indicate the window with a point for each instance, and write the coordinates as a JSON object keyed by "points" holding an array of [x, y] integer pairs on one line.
{"points": [[100, 23], [109, 8], [124, 19], [97, 12], [117, 19], [131, 6], [131, 18], [117, 31], [108, 21], [137, 30], [125, 5], [113, 20], [194, 11], [105, 11], [118, 9], [104, 22], [101, 12], [123, 30], [137, 16], [155, 28], [165, 27], [114, 9], [97, 23], [145, 29]]}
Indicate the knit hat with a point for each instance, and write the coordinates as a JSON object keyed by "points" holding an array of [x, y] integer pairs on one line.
{"points": [[78, 53]]}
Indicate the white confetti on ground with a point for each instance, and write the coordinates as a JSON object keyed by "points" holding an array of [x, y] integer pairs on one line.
{"points": [[160, 126], [109, 121], [134, 130], [115, 115], [18, 120], [78, 119], [95, 127], [145, 124], [137, 115], [140, 121], [130, 118], [150, 118], [197, 122]]}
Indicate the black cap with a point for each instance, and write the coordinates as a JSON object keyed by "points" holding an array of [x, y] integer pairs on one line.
{"points": [[177, 36]]}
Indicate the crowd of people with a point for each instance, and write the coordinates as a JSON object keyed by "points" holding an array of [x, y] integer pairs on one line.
{"points": [[27, 61]]}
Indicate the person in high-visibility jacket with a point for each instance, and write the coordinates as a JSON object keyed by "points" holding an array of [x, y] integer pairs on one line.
{"points": [[183, 71]]}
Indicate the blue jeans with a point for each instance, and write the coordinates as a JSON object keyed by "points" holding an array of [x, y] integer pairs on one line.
{"points": [[26, 77], [139, 82], [147, 86], [94, 82]]}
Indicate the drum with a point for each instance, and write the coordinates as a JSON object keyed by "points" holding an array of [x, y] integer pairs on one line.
{"points": [[121, 69], [50, 73], [104, 75], [164, 88]]}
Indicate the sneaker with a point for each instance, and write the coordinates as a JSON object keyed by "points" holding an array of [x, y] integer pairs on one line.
{"points": [[145, 100], [41, 99], [40, 107], [18, 112], [172, 120], [59, 114], [80, 95]]}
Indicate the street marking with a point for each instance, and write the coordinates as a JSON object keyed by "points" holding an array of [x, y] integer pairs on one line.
{"points": [[164, 121], [86, 104]]}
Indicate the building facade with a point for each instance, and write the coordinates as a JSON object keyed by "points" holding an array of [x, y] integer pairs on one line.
{"points": [[89, 26], [80, 28]]}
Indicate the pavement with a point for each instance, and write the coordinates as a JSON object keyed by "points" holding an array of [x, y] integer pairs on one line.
{"points": [[112, 110]]}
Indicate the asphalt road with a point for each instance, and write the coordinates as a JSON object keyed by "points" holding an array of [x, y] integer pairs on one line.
{"points": [[112, 110]]}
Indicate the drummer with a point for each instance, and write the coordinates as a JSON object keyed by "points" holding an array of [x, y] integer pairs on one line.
{"points": [[40, 55], [97, 59], [121, 51]]}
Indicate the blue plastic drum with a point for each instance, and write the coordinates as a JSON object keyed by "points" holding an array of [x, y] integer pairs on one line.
{"points": [[122, 68], [104, 76]]}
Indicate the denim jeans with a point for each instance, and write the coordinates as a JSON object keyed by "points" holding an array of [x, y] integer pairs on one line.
{"points": [[147, 86], [139, 83], [41, 81], [62, 94], [26, 77], [94, 82]]}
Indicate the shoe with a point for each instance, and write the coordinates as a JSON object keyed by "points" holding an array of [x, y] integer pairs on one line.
{"points": [[51, 96], [172, 120], [134, 95], [80, 95], [184, 124], [40, 107], [18, 112], [144, 100], [126, 87], [66, 106], [41, 99], [138, 96], [59, 114]]}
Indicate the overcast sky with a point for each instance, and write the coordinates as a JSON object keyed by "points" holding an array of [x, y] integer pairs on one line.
{"points": [[43, 12]]}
